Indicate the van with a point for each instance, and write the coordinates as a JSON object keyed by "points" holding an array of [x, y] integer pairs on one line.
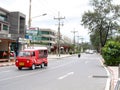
{"points": [[32, 57]]}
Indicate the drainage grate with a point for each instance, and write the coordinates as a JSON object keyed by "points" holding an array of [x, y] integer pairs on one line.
{"points": [[96, 76]]}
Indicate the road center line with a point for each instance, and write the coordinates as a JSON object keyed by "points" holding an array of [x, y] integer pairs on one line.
{"points": [[66, 75]]}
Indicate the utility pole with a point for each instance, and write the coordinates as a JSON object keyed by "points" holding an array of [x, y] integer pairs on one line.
{"points": [[29, 21], [74, 37], [78, 37], [81, 44], [59, 18]]}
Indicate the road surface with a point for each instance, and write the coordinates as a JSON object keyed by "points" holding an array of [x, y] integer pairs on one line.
{"points": [[70, 73]]}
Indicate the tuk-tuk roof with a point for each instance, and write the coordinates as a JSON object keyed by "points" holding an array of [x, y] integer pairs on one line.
{"points": [[35, 48]]}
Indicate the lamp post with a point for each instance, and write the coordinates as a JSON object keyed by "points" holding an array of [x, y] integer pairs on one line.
{"points": [[39, 15], [30, 18], [29, 21]]}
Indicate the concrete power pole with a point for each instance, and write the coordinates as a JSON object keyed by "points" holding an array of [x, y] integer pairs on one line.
{"points": [[29, 21], [82, 44], [59, 18], [74, 38], [78, 37]]}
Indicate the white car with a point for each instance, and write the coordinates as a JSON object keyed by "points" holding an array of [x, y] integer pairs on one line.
{"points": [[89, 51]]}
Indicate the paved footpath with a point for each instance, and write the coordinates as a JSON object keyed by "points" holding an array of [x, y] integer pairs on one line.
{"points": [[114, 76]]}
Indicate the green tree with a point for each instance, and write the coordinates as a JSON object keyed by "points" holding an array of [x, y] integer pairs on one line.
{"points": [[111, 53], [102, 19], [95, 40]]}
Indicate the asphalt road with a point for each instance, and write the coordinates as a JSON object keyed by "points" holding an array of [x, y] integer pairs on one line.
{"points": [[70, 73]]}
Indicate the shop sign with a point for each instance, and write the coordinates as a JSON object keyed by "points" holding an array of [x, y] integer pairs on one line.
{"points": [[23, 40]]}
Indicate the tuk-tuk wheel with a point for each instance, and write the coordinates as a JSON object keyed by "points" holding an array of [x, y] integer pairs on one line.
{"points": [[42, 65], [33, 67], [20, 68]]}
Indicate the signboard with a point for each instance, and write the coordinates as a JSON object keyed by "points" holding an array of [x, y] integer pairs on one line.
{"points": [[33, 28], [23, 40]]}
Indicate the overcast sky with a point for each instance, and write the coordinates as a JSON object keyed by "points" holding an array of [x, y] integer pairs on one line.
{"points": [[72, 10]]}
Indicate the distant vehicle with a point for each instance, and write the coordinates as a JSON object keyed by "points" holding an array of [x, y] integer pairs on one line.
{"points": [[89, 51], [32, 57]]}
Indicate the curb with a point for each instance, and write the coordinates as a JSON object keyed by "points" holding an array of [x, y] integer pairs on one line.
{"points": [[114, 79], [6, 64], [57, 57], [3, 64], [108, 83]]}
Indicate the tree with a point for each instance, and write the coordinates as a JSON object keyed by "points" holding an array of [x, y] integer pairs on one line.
{"points": [[102, 19], [94, 38], [111, 52]]}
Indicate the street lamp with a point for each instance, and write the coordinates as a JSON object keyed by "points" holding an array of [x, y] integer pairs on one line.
{"points": [[39, 15], [30, 19]]}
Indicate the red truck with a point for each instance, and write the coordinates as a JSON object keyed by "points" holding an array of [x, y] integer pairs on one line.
{"points": [[32, 57]]}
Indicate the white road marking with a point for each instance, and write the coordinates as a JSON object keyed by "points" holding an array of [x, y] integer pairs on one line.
{"points": [[66, 75], [28, 74], [90, 76]]}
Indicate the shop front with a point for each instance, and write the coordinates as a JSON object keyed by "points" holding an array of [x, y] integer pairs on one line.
{"points": [[5, 49]]}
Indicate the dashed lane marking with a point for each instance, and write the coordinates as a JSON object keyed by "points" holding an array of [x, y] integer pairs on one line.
{"points": [[66, 75]]}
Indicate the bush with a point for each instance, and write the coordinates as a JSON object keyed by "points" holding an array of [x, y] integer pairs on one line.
{"points": [[111, 53]]}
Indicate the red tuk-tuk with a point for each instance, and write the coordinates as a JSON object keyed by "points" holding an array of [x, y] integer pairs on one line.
{"points": [[32, 57]]}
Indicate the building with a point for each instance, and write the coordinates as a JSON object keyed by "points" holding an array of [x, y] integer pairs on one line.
{"points": [[12, 26], [17, 25], [64, 44], [41, 37], [17, 29], [48, 37]]}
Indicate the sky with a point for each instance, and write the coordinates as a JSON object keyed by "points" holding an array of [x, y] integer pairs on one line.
{"points": [[72, 10]]}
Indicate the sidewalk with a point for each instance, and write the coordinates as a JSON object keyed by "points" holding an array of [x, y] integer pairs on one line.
{"points": [[50, 57], [114, 76], [57, 56], [2, 64]]}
